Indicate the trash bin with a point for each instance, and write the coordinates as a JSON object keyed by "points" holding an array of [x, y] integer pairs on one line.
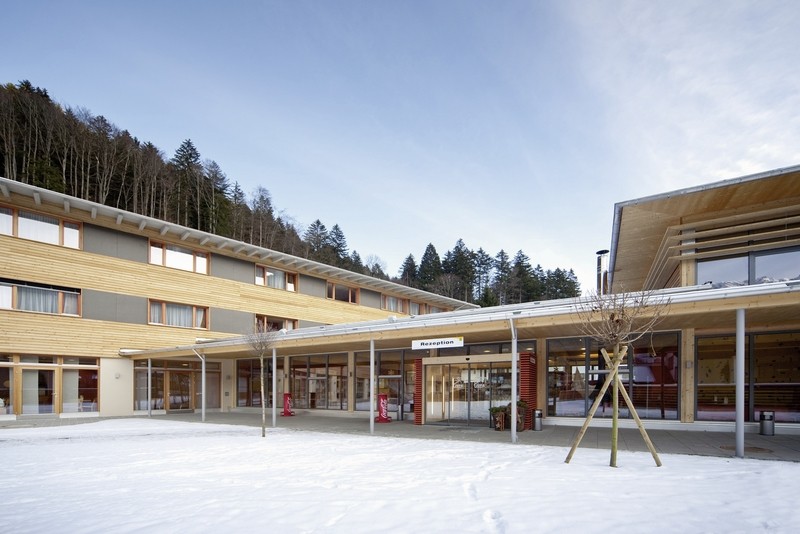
{"points": [[537, 419], [767, 420]]}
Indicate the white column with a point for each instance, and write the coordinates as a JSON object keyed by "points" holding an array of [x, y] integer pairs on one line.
{"points": [[740, 383], [274, 388], [514, 360], [371, 386]]}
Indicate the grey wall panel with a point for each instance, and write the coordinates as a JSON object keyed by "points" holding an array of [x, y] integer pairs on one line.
{"points": [[369, 298], [103, 306], [232, 269], [316, 287], [99, 240], [232, 321], [307, 324]]}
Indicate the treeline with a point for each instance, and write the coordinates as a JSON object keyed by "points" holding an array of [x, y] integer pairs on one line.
{"points": [[72, 151]]}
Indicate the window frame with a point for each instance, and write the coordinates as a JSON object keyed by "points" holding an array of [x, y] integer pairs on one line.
{"points": [[400, 305], [14, 286], [163, 304], [289, 278], [333, 289], [163, 246], [262, 320], [63, 225]]}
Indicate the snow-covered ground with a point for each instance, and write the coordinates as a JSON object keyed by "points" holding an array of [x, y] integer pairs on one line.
{"points": [[142, 475]]}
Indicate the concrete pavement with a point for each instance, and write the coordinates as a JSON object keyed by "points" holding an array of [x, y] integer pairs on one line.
{"points": [[720, 441]]}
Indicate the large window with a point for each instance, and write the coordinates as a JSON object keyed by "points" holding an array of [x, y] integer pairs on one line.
{"points": [[183, 315], [48, 384], [270, 277], [650, 372], [16, 295], [342, 293], [40, 227], [772, 377], [178, 258], [319, 381], [756, 268]]}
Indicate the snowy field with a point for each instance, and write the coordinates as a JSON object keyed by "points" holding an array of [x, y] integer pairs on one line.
{"points": [[141, 475]]}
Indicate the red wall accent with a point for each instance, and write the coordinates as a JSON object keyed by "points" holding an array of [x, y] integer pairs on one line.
{"points": [[418, 380]]}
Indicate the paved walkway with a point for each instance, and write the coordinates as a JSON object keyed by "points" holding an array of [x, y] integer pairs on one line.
{"points": [[782, 446]]}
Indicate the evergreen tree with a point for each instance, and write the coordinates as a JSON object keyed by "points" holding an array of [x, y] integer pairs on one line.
{"points": [[186, 163], [316, 238], [459, 262], [562, 284], [408, 272], [338, 243], [430, 268], [484, 264], [502, 279]]}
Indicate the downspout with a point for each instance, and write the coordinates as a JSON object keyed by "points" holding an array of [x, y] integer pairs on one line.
{"points": [[202, 385], [514, 360]]}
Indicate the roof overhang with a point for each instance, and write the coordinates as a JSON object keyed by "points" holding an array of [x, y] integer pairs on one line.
{"points": [[103, 215], [640, 225], [698, 307]]}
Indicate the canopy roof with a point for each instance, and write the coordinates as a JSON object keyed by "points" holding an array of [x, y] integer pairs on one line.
{"points": [[647, 231]]}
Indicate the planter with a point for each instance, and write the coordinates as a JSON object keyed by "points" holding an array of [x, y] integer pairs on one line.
{"points": [[497, 419]]}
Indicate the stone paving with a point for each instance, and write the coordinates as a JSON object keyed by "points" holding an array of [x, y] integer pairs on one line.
{"points": [[784, 445]]}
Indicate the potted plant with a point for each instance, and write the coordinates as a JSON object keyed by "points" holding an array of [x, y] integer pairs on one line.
{"points": [[522, 409], [497, 417]]}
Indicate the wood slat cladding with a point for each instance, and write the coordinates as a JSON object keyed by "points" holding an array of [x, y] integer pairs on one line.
{"points": [[646, 228], [79, 269], [723, 236]]}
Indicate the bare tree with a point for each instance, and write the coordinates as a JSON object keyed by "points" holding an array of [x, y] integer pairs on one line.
{"points": [[615, 321], [261, 342]]}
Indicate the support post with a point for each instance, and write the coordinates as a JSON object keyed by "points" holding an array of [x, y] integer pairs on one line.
{"points": [[514, 363], [274, 388], [149, 387], [740, 383], [371, 386], [202, 385]]}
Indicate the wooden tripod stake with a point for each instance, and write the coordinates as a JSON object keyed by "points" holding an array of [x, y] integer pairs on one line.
{"points": [[613, 380]]}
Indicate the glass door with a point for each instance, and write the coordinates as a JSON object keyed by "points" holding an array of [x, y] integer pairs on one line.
{"points": [[180, 390], [37, 391], [462, 393]]}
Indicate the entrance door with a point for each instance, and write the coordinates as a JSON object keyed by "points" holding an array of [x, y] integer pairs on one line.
{"points": [[317, 392], [37, 391], [462, 393], [180, 390]]}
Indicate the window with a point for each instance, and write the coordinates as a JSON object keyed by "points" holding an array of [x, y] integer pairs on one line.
{"points": [[178, 258], [757, 268], [274, 324], [270, 277], [40, 227], [39, 298], [342, 293], [183, 315], [395, 304]]}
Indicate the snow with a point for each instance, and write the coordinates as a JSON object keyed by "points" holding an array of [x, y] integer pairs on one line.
{"points": [[144, 475]]}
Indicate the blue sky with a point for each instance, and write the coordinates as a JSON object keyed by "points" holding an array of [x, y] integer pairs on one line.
{"points": [[510, 124]]}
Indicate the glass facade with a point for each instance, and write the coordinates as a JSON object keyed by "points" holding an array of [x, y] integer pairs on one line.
{"points": [[48, 385], [319, 382], [772, 377], [576, 372], [756, 268], [176, 385]]}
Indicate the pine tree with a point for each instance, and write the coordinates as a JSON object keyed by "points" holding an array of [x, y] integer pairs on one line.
{"points": [[430, 268], [408, 272]]}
